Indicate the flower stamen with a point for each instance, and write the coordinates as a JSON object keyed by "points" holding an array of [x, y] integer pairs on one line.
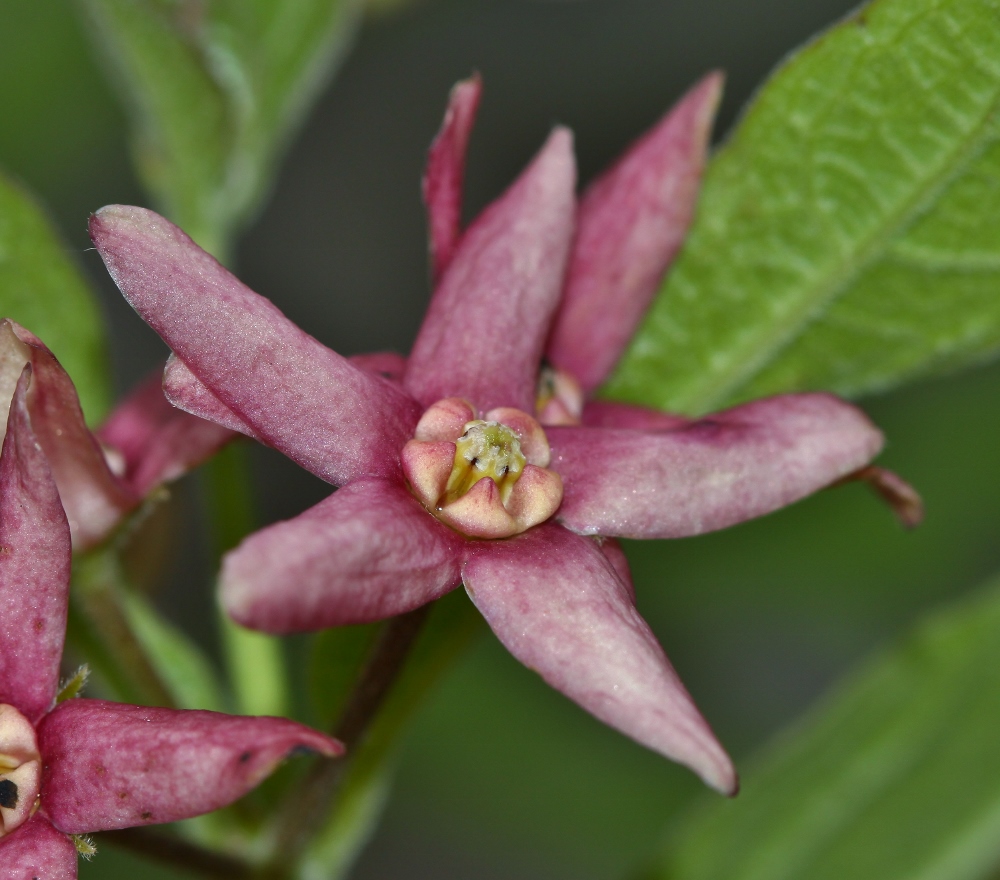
{"points": [[485, 450]]}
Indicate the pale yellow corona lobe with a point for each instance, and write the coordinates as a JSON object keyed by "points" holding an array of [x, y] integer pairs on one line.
{"points": [[485, 477], [20, 769]]}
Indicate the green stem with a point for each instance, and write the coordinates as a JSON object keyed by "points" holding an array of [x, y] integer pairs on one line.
{"points": [[97, 600], [179, 853], [306, 808]]}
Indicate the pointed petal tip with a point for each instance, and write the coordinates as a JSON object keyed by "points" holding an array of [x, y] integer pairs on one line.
{"points": [[559, 146], [516, 249], [720, 775], [631, 223]]}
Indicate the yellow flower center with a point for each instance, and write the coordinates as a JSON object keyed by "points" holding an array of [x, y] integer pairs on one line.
{"points": [[485, 449], [484, 477]]}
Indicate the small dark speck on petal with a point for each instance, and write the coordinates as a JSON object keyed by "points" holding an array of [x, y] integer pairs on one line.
{"points": [[146, 815], [39, 624], [246, 756], [8, 794]]}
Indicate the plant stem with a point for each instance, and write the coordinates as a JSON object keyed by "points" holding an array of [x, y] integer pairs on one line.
{"points": [[97, 594], [179, 853], [307, 806]]}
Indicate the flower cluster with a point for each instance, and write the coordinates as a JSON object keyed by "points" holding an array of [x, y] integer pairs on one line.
{"points": [[476, 460], [78, 765]]}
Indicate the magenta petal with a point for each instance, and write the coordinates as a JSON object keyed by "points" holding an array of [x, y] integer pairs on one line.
{"points": [[720, 470], [387, 364], [611, 414], [614, 553], [296, 394], [36, 851], [34, 567], [446, 171], [631, 223], [94, 499], [109, 765], [185, 391], [159, 442], [368, 552], [486, 325], [557, 605]]}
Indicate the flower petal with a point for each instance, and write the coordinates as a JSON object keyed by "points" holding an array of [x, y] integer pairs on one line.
{"points": [[387, 364], [36, 851], [34, 567], [158, 441], [296, 394], [557, 605], [108, 765], [446, 170], [368, 552], [631, 223], [612, 414], [614, 553], [483, 335], [185, 391], [718, 471], [95, 500]]}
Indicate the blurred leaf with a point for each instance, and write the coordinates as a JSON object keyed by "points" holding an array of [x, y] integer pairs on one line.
{"points": [[452, 624], [42, 289], [256, 664], [846, 236], [896, 776], [335, 662], [254, 661], [215, 89], [185, 670]]}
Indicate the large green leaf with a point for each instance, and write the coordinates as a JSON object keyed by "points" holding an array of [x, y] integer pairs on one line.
{"points": [[896, 777], [42, 289], [216, 87], [847, 235]]}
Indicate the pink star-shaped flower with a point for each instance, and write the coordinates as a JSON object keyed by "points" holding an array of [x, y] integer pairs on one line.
{"points": [[89, 765], [446, 476], [145, 441]]}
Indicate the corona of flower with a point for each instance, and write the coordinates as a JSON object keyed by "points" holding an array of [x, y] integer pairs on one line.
{"points": [[90, 765], [447, 474]]}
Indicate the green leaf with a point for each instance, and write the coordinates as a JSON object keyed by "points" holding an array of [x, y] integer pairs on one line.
{"points": [[336, 659], [41, 288], [895, 777], [215, 89], [255, 661], [186, 671], [846, 236]]}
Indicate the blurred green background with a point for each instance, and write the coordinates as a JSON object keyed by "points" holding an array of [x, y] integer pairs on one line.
{"points": [[500, 776]]}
